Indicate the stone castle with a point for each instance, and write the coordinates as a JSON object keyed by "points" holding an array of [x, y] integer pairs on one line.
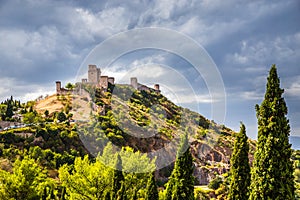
{"points": [[95, 78]]}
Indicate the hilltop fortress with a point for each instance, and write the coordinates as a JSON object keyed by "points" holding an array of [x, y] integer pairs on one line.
{"points": [[95, 78]]}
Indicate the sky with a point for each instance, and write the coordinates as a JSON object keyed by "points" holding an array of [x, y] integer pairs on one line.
{"points": [[42, 41]]}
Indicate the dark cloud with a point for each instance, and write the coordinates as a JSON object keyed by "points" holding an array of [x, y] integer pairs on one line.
{"points": [[45, 40]]}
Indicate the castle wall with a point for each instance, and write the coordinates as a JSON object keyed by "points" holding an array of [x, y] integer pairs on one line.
{"points": [[111, 80], [95, 78], [143, 88], [60, 90], [104, 81], [84, 80]]}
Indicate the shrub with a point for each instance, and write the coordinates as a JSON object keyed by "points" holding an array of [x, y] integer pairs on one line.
{"points": [[215, 183]]}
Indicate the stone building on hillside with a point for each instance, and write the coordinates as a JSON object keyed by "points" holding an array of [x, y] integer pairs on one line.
{"points": [[95, 78], [94, 74], [61, 90], [136, 85]]}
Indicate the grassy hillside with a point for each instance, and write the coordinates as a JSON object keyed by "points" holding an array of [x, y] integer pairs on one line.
{"points": [[84, 122]]}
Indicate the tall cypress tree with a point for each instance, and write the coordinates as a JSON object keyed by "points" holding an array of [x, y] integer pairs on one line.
{"points": [[240, 168], [181, 182], [272, 172], [151, 190], [118, 178], [9, 110]]}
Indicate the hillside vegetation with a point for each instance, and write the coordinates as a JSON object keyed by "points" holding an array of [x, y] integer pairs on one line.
{"points": [[70, 145]]}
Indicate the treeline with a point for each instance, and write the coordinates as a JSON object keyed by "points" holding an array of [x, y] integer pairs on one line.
{"points": [[120, 175], [8, 107]]}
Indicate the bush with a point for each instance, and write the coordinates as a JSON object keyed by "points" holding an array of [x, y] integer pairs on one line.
{"points": [[201, 194], [215, 183]]}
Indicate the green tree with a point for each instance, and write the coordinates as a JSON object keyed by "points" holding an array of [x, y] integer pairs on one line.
{"points": [[29, 118], [70, 86], [134, 166], [86, 180], [240, 168], [46, 113], [151, 189], [28, 181], [118, 179], [9, 109], [181, 181], [61, 116], [272, 172]]}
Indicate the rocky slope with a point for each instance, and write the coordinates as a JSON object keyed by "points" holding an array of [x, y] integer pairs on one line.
{"points": [[144, 120], [147, 121]]}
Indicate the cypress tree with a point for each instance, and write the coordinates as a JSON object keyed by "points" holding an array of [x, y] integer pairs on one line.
{"points": [[272, 172], [151, 190], [118, 178], [240, 168], [181, 182], [9, 109]]}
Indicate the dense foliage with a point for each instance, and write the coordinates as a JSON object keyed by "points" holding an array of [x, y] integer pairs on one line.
{"points": [[181, 182], [151, 189], [272, 172], [240, 168]]}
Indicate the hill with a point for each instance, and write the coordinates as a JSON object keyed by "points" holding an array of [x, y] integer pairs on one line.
{"points": [[146, 121], [84, 121]]}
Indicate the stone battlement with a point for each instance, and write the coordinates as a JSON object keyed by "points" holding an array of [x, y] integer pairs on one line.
{"points": [[95, 78]]}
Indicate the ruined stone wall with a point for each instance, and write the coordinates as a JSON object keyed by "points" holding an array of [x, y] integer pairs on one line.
{"points": [[93, 74], [134, 82], [111, 80], [104, 81]]}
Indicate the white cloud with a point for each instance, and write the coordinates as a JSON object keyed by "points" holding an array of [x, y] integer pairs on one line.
{"points": [[294, 89], [274, 49], [58, 40], [251, 95], [102, 24], [23, 91]]}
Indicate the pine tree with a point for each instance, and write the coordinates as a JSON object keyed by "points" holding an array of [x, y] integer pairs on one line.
{"points": [[118, 178], [9, 109], [151, 190], [272, 172], [181, 181], [240, 168]]}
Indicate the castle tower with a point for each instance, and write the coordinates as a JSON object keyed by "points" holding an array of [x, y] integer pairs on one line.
{"points": [[99, 74], [94, 74], [104, 82], [84, 80], [156, 88], [111, 80], [134, 82], [58, 87]]}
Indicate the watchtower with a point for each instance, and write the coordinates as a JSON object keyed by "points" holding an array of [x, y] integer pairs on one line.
{"points": [[134, 82], [111, 80], [94, 74], [58, 87]]}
